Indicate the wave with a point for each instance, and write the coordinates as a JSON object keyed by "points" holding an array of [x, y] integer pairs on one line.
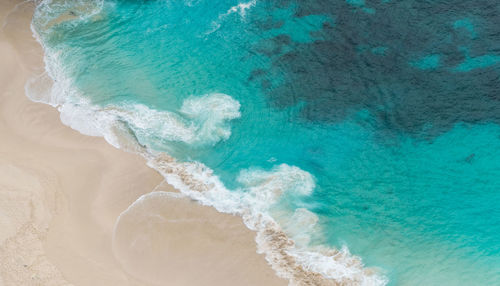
{"points": [[241, 8], [202, 120], [205, 120], [210, 115], [191, 126], [298, 263]]}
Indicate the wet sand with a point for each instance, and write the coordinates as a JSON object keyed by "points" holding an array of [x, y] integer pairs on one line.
{"points": [[62, 193]]}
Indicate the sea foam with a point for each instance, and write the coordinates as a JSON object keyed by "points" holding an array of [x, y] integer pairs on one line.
{"points": [[241, 8], [189, 125], [300, 264], [202, 120], [205, 120]]}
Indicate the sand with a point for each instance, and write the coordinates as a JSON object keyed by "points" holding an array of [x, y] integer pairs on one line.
{"points": [[62, 193]]}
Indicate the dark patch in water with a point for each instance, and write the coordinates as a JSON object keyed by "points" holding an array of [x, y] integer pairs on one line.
{"points": [[334, 77], [470, 158], [256, 74]]}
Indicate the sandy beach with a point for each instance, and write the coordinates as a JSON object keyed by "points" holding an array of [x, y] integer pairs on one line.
{"points": [[62, 193]]}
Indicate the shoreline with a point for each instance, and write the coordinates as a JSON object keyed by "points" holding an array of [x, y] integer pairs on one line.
{"points": [[62, 193]]}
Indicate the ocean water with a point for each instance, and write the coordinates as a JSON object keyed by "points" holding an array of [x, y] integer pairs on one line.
{"points": [[365, 131]]}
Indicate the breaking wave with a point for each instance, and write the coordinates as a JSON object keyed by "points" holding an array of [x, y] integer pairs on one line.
{"points": [[204, 120]]}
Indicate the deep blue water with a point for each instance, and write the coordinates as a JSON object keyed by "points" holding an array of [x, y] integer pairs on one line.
{"points": [[392, 107]]}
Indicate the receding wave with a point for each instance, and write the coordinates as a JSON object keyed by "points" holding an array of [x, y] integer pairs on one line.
{"points": [[298, 263], [205, 120], [202, 120], [190, 125]]}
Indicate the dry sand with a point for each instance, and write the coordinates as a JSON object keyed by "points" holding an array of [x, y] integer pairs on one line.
{"points": [[61, 194]]}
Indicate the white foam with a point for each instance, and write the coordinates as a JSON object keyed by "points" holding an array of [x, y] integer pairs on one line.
{"points": [[272, 184], [262, 189], [241, 8], [202, 120], [210, 115], [194, 123], [164, 124], [190, 125], [300, 226], [339, 266]]}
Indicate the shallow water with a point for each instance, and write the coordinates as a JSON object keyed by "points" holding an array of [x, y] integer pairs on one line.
{"points": [[366, 124]]}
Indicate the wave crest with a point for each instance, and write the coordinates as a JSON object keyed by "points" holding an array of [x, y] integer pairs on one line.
{"points": [[210, 115], [299, 263], [241, 8], [265, 187], [205, 120], [194, 125]]}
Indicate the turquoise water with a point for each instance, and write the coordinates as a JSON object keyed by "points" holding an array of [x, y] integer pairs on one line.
{"points": [[392, 126]]}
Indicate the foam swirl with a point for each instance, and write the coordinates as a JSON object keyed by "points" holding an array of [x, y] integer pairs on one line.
{"points": [[203, 120]]}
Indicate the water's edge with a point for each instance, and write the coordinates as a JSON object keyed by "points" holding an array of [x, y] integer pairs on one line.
{"points": [[299, 265]]}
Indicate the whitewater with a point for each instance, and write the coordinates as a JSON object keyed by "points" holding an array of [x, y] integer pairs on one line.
{"points": [[357, 156]]}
